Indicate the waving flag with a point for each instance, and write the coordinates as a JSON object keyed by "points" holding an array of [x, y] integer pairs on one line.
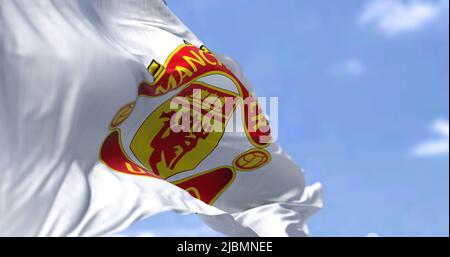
{"points": [[112, 111]]}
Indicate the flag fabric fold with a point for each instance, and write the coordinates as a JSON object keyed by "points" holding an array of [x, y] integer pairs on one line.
{"points": [[87, 148]]}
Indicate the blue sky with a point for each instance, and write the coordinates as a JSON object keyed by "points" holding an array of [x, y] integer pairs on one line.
{"points": [[363, 91]]}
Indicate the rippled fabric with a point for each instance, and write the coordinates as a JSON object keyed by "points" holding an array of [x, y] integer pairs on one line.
{"points": [[67, 67]]}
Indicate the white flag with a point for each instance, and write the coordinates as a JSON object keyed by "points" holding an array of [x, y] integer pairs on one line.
{"points": [[88, 95]]}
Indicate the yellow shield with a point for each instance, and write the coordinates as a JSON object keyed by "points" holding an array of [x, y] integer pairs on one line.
{"points": [[167, 152]]}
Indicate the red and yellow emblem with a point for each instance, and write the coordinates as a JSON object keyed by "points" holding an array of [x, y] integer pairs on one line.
{"points": [[189, 63], [163, 152], [166, 152]]}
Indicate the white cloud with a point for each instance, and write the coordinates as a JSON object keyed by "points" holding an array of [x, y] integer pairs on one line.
{"points": [[372, 235], [350, 67], [392, 17], [438, 146]]}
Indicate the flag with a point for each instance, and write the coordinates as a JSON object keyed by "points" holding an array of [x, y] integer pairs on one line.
{"points": [[109, 114]]}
